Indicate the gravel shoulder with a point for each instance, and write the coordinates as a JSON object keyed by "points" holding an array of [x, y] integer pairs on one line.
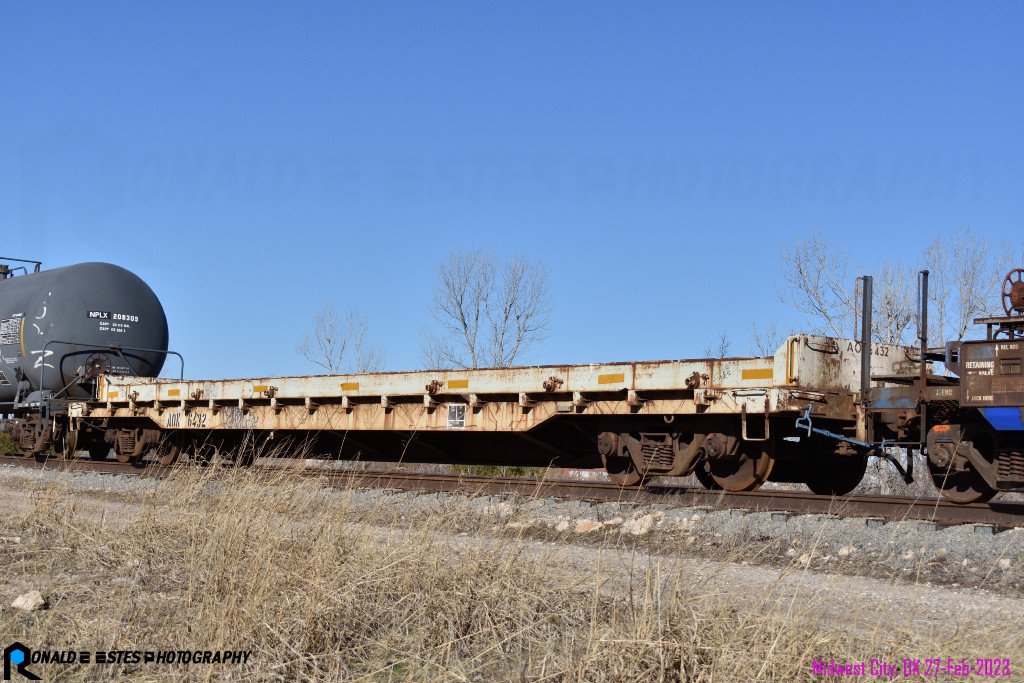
{"points": [[899, 576]]}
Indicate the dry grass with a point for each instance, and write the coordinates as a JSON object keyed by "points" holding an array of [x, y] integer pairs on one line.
{"points": [[321, 589]]}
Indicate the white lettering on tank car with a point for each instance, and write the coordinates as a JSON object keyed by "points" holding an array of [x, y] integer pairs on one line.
{"points": [[107, 315], [39, 361]]}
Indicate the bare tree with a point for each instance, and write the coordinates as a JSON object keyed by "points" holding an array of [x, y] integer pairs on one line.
{"points": [[433, 350], [766, 341], [818, 284], [965, 282], [719, 349], [338, 342], [894, 309], [488, 310], [367, 356]]}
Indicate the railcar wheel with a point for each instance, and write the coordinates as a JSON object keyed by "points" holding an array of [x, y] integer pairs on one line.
{"points": [[168, 450], [703, 475], [745, 472], [69, 444], [837, 476], [964, 486], [622, 471], [617, 463]]}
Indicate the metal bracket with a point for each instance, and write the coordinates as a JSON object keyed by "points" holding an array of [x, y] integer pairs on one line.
{"points": [[705, 397], [634, 401], [743, 423]]}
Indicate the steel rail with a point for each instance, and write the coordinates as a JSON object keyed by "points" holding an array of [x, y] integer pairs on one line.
{"points": [[999, 514]]}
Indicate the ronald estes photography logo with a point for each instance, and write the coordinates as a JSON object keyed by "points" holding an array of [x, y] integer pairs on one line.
{"points": [[18, 656]]}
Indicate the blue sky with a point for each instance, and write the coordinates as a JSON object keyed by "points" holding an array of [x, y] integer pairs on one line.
{"points": [[252, 160]]}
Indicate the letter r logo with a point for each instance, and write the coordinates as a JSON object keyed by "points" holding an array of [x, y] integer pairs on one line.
{"points": [[18, 655]]}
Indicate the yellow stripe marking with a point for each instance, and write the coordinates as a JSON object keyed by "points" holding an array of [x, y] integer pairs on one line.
{"points": [[350, 386], [174, 392], [112, 394], [23, 337], [617, 378], [758, 373], [259, 388], [458, 384]]}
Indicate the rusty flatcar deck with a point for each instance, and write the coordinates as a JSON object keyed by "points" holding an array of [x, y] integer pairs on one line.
{"points": [[819, 371]]}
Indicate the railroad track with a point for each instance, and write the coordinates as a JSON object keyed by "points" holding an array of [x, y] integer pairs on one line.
{"points": [[999, 515]]}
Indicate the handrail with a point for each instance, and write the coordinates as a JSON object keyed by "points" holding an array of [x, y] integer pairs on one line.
{"points": [[112, 348], [791, 360], [38, 264]]}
